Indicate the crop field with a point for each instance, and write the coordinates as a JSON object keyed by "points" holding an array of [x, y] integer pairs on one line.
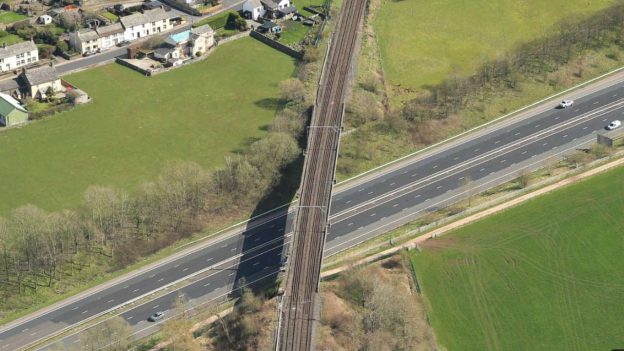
{"points": [[423, 42], [546, 275], [134, 125], [10, 17]]}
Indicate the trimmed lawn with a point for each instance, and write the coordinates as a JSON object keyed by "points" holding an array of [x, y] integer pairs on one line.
{"points": [[215, 22], [422, 42], [10, 17], [546, 275], [201, 112], [109, 15], [293, 33], [10, 39]]}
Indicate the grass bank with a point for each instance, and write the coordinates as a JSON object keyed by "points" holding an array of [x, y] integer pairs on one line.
{"points": [[545, 275], [135, 124]]}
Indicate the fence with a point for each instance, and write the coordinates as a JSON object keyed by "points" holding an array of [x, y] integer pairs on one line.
{"points": [[182, 7], [277, 45]]}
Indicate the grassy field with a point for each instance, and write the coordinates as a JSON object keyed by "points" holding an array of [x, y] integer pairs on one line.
{"points": [[10, 17], [546, 275], [300, 4], [200, 112], [422, 42], [293, 32], [10, 39]]}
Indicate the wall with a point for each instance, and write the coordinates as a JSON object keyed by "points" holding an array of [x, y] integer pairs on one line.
{"points": [[277, 45]]}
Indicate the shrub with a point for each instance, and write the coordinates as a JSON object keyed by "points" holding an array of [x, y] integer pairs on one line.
{"points": [[3, 33]]}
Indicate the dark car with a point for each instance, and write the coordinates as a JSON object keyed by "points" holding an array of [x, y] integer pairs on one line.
{"points": [[123, 43], [156, 316], [88, 53]]}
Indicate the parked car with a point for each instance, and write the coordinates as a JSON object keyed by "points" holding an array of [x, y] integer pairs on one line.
{"points": [[123, 43], [156, 316], [88, 53], [566, 103], [614, 124]]}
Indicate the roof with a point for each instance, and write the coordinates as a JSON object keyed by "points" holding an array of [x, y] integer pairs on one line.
{"points": [[268, 25], [8, 85], [270, 4], [87, 34], [15, 49], [202, 29], [163, 52], [114, 28], [255, 3], [148, 16], [8, 99], [288, 10], [40, 75]]}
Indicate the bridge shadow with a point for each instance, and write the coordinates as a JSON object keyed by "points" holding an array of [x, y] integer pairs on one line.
{"points": [[263, 242]]}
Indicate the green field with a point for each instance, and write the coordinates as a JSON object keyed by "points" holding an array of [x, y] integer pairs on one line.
{"points": [[300, 4], [293, 32], [10, 17], [546, 275], [10, 39], [422, 42], [135, 124]]}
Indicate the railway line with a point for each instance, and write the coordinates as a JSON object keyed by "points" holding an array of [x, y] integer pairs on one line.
{"points": [[299, 303]]}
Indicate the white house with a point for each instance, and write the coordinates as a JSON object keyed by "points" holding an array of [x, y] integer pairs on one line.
{"points": [[272, 7], [44, 19], [150, 22], [18, 55], [201, 39], [186, 44], [254, 8], [110, 35]]}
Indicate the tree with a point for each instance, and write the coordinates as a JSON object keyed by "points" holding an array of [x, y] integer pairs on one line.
{"points": [[235, 21], [114, 334], [292, 90], [62, 46]]}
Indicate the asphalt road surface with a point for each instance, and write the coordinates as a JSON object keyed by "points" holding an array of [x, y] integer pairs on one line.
{"points": [[359, 213]]}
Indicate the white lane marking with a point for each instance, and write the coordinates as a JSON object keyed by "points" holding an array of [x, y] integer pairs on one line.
{"points": [[414, 175], [435, 166], [24, 330], [135, 290], [109, 301], [156, 306], [476, 150], [129, 318], [348, 202], [482, 169], [456, 158], [210, 259], [596, 103], [125, 287], [439, 187], [604, 120], [614, 95], [76, 341], [544, 144], [33, 333], [85, 311], [373, 214], [460, 178], [516, 134], [185, 269], [350, 224], [503, 161], [497, 141], [391, 184], [223, 246], [266, 267], [565, 136], [417, 196], [152, 276], [370, 192], [524, 152], [256, 240], [280, 230], [537, 125], [233, 249], [361, 189], [75, 308], [205, 285], [161, 279], [176, 266], [585, 127], [255, 264], [231, 274], [395, 205], [558, 117]]}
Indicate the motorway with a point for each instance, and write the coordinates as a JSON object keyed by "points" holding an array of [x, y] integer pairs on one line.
{"points": [[365, 209]]}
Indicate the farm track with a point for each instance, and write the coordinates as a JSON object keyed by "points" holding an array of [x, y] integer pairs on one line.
{"points": [[299, 303]]}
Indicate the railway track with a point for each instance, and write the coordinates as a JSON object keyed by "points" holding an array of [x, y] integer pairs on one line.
{"points": [[299, 305]]}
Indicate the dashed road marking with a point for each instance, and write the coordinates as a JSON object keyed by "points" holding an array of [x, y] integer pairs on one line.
{"points": [[109, 301], [85, 311], [524, 152], [373, 214], [185, 269], [156, 306], [205, 285], [350, 224], [161, 279], [395, 205], [135, 290]]}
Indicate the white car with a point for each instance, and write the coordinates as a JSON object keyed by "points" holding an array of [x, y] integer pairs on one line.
{"points": [[156, 316], [614, 124], [566, 103]]}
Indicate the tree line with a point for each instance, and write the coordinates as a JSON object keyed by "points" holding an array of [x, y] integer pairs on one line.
{"points": [[571, 38], [38, 248]]}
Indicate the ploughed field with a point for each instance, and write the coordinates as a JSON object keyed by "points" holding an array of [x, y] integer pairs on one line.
{"points": [[546, 275], [423, 42], [134, 125]]}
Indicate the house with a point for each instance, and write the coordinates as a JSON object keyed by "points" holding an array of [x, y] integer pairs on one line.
{"points": [[269, 27], [188, 43], [286, 12], [98, 38], [39, 82], [18, 55], [149, 22], [44, 19], [272, 7], [11, 112], [253, 9]]}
